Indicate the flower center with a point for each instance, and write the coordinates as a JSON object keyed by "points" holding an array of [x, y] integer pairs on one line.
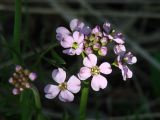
{"points": [[95, 70], [63, 86], [75, 45]]}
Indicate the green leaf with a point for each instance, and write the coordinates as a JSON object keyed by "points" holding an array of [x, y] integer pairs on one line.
{"points": [[36, 97], [50, 61], [41, 56]]}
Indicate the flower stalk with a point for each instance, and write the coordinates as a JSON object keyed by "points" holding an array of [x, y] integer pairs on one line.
{"points": [[84, 100]]}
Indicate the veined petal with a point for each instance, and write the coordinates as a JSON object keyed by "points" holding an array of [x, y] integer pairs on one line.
{"points": [[67, 42], [98, 82], [90, 60], [78, 51], [66, 96], [84, 73], [105, 68], [51, 91], [76, 24], [69, 51], [74, 84], [130, 58], [126, 72], [59, 75], [62, 30], [119, 49], [78, 37]]}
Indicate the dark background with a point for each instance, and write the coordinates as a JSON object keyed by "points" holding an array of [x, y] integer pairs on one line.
{"points": [[135, 99]]}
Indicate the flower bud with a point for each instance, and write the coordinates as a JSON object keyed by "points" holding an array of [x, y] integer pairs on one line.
{"points": [[102, 51], [88, 50], [104, 41], [32, 76], [18, 68], [15, 91], [96, 46], [107, 27]]}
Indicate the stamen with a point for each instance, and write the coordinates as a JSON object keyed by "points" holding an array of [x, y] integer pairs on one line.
{"points": [[75, 45], [95, 70], [63, 86]]}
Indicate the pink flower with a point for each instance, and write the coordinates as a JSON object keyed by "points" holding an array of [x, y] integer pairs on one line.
{"points": [[91, 69], [74, 44], [64, 89], [102, 51], [122, 61], [119, 38], [119, 49]]}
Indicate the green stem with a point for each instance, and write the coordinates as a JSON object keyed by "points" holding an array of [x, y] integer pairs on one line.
{"points": [[17, 31], [83, 101]]}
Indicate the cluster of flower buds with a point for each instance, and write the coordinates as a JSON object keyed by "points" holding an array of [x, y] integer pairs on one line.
{"points": [[91, 43], [21, 79]]}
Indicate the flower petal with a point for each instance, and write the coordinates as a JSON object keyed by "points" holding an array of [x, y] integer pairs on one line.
{"points": [[59, 75], [103, 51], [126, 72], [90, 60], [84, 73], [105, 68], [62, 30], [74, 84], [98, 82], [119, 38], [66, 96], [79, 50], [51, 91], [76, 24], [78, 37], [67, 42], [119, 49], [130, 58], [69, 51]]}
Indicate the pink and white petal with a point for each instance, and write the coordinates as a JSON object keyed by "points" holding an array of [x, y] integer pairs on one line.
{"points": [[126, 72], [90, 60], [74, 84], [66, 96], [78, 51], [69, 51], [98, 82], [67, 42], [62, 30], [129, 73], [118, 49], [134, 60], [76, 35], [59, 75], [84, 73], [80, 39], [51, 91], [105, 68], [75, 23]]}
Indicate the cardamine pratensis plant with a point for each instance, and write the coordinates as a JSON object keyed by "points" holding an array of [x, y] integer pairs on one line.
{"points": [[92, 44]]}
